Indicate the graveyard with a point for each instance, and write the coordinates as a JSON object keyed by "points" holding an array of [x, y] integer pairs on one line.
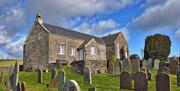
{"points": [[102, 82]]}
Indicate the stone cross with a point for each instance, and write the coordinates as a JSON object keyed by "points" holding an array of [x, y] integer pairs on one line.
{"points": [[53, 73], [40, 76], [125, 80], [1, 77], [156, 63], [87, 75], [140, 81], [62, 80], [71, 85], [23, 86], [162, 82]]}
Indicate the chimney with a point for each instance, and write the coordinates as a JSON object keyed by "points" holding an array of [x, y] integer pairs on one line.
{"points": [[38, 18]]}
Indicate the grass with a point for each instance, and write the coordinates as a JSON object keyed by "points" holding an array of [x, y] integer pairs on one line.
{"points": [[101, 81]]}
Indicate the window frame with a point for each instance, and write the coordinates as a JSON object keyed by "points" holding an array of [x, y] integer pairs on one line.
{"points": [[93, 50], [61, 49], [72, 51]]}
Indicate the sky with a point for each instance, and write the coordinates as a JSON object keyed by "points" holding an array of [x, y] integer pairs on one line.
{"points": [[136, 19]]}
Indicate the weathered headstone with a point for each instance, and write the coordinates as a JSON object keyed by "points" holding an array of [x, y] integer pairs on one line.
{"points": [[178, 79], [140, 81], [1, 77], [149, 76], [117, 67], [23, 84], [40, 76], [156, 63], [135, 63], [163, 63], [54, 82], [127, 65], [150, 63], [163, 70], [19, 86], [9, 81], [173, 65], [110, 68], [62, 79], [92, 89], [125, 80], [53, 73], [87, 75], [163, 82], [71, 85]]}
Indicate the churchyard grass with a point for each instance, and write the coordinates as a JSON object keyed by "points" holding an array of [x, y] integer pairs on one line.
{"points": [[102, 82]]}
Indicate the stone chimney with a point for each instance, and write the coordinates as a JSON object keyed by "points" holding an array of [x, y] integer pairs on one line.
{"points": [[38, 18]]}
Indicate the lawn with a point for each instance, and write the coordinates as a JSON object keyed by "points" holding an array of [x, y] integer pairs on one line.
{"points": [[101, 81]]}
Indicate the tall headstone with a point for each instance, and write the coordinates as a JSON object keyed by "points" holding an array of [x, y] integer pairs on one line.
{"points": [[117, 67], [53, 73], [71, 85], [140, 81], [23, 84], [87, 75], [40, 76], [62, 79], [110, 68], [163, 69], [127, 65], [19, 86], [150, 63], [163, 82], [135, 65], [173, 65], [125, 80], [1, 77], [156, 63], [178, 78], [9, 84]]}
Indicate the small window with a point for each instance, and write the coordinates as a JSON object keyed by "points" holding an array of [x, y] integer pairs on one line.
{"points": [[93, 50], [73, 50], [61, 49]]}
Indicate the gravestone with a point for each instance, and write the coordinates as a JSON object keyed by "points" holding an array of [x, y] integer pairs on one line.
{"points": [[127, 65], [135, 63], [40, 77], [140, 81], [87, 75], [144, 63], [110, 68], [92, 89], [156, 63], [173, 65], [62, 79], [163, 69], [162, 82], [1, 77], [54, 82], [23, 86], [9, 81], [125, 80], [150, 63], [53, 73], [178, 78], [143, 69], [163, 63], [117, 67], [71, 85], [19, 86], [149, 75]]}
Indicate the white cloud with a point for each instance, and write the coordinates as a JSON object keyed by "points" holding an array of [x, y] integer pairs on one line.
{"points": [[4, 38], [177, 34], [165, 16]]}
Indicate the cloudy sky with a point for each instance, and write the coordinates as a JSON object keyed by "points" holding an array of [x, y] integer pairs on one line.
{"points": [[135, 18]]}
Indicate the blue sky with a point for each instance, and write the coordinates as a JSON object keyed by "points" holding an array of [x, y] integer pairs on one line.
{"points": [[137, 19]]}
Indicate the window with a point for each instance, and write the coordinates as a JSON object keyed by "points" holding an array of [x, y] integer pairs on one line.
{"points": [[93, 50], [118, 55], [73, 50], [61, 49]]}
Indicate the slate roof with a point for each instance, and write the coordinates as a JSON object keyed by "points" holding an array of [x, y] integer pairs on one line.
{"points": [[71, 33], [109, 39], [84, 43]]}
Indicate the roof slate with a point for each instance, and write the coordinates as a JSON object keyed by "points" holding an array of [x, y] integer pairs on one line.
{"points": [[109, 39]]}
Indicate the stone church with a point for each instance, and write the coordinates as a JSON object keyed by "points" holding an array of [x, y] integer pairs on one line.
{"points": [[47, 45]]}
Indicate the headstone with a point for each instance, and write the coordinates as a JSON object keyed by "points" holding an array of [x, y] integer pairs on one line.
{"points": [[127, 65], [149, 76], [23, 86], [62, 79], [110, 68], [150, 63], [117, 67], [135, 65], [40, 76], [53, 73], [140, 81], [156, 63], [54, 82], [87, 75], [9, 84], [1, 77], [143, 69], [125, 80], [178, 79], [173, 65], [162, 82], [71, 85], [163, 69], [19, 86], [163, 63], [92, 89]]}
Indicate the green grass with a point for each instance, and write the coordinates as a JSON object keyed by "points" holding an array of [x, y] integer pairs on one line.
{"points": [[101, 81]]}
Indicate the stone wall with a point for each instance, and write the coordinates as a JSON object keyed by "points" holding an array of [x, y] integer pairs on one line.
{"points": [[36, 49]]}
